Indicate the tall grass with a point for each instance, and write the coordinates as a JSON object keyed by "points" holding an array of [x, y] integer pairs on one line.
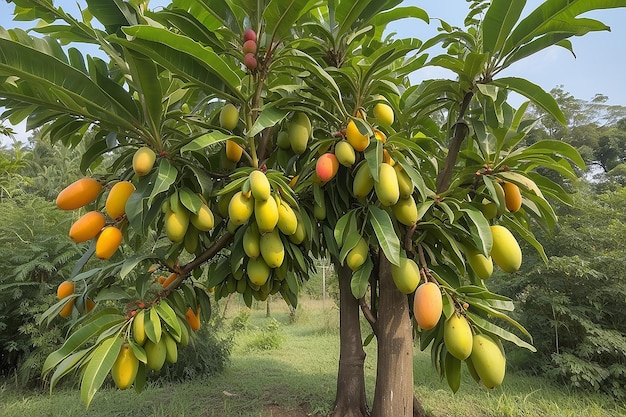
{"points": [[298, 376]]}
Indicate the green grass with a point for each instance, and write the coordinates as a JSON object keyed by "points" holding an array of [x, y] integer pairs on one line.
{"points": [[298, 377]]}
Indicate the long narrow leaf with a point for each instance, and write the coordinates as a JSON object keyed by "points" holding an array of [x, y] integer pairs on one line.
{"points": [[99, 366]]}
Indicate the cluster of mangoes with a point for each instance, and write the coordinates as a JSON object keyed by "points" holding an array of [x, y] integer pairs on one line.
{"points": [[65, 290], [249, 49], [297, 134], [186, 223]]}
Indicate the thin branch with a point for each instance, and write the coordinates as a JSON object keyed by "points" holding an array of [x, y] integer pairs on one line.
{"points": [[369, 315]]}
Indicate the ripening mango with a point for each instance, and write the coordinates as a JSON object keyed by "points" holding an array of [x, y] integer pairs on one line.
{"points": [[203, 220], [233, 151], [427, 305], [258, 271], [139, 329], [109, 240], [300, 233], [480, 264], [125, 368], [252, 241], [115, 205], [406, 276], [505, 251], [155, 354], [259, 185], [345, 153], [240, 208], [87, 227], [89, 305], [387, 189], [193, 319], [405, 183], [405, 211], [512, 196], [363, 181], [383, 112], [326, 167], [229, 116], [67, 309], [64, 289], [379, 135], [358, 254], [272, 249], [143, 161], [78, 194], [358, 140], [171, 350], [176, 225], [457, 336], [287, 219], [266, 215], [488, 360], [299, 131]]}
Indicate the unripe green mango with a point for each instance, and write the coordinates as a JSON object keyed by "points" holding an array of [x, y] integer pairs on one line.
{"points": [[363, 181], [191, 240], [171, 350], [406, 276], [480, 264], [184, 333], [139, 330], [251, 241], [345, 153], [505, 251], [155, 354], [240, 208], [299, 131], [405, 211], [229, 116], [272, 249], [387, 189], [357, 255], [488, 360], [266, 215], [457, 336], [282, 140], [258, 271]]}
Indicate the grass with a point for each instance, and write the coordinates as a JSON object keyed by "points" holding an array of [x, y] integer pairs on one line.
{"points": [[296, 378]]}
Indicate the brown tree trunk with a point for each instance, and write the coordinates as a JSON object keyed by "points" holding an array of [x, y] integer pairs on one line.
{"points": [[350, 400], [393, 394]]}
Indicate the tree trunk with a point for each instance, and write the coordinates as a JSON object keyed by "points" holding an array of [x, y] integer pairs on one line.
{"points": [[393, 394], [350, 400]]}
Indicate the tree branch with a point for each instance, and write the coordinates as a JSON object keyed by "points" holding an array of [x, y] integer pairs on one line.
{"points": [[369, 316]]}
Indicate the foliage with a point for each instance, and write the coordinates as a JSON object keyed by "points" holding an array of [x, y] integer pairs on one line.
{"points": [[268, 337]]}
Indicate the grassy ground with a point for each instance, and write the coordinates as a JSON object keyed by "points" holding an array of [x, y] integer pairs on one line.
{"points": [[298, 379]]}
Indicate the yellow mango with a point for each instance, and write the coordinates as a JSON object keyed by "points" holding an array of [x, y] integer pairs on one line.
{"points": [[272, 249], [266, 214], [299, 131], [488, 360], [87, 227], [406, 276], [233, 151], [229, 116], [383, 112], [143, 161], [357, 255], [139, 329], [405, 183], [427, 305], [176, 225], [251, 241], [405, 211], [115, 205], [259, 185], [203, 220], [480, 264], [363, 181], [358, 140], [240, 208], [109, 240], [125, 368], [505, 251], [258, 271], [287, 219], [457, 336], [345, 153], [78, 194], [387, 189]]}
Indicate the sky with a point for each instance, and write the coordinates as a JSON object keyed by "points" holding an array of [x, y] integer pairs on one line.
{"points": [[598, 68]]}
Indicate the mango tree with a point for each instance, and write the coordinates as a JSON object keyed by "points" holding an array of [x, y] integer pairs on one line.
{"points": [[243, 139]]}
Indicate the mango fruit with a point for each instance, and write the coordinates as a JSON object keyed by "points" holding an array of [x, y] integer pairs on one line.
{"points": [[405, 211], [176, 225], [300, 233], [427, 305], [168, 281], [505, 251], [287, 219], [489, 209], [87, 227], [67, 309], [64, 289], [240, 208], [229, 116], [266, 214], [259, 185], [139, 329], [512, 196], [272, 249], [109, 240], [252, 241], [457, 336], [387, 189], [233, 151], [203, 220], [387, 159], [406, 276], [193, 319], [125, 367], [326, 167], [345, 153], [405, 183], [258, 271], [488, 360], [115, 204], [358, 254], [78, 194], [299, 131], [383, 112], [480, 264], [184, 333], [171, 350], [89, 305], [155, 354], [358, 140], [143, 161], [282, 140], [363, 181], [379, 135]]}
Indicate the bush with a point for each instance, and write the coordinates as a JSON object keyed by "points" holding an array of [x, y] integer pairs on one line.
{"points": [[268, 337]]}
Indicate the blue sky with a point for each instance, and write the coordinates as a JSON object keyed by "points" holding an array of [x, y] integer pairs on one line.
{"points": [[599, 66]]}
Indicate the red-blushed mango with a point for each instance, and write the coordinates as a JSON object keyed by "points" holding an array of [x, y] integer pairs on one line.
{"points": [[259, 185], [358, 140], [299, 131], [249, 35], [406, 276], [176, 224], [405, 183], [87, 227], [233, 151], [249, 46], [78, 194], [139, 329], [109, 240], [505, 251], [252, 241], [240, 208], [383, 112], [115, 205], [488, 360], [143, 161], [266, 215], [287, 219], [512, 196], [203, 220], [64, 289], [155, 354], [457, 336], [345, 153], [249, 60], [326, 167], [258, 271], [125, 368], [427, 305], [193, 319], [387, 189], [480, 264], [363, 181], [405, 211], [358, 254], [272, 249]]}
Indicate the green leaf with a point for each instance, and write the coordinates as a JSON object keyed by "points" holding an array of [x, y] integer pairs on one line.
{"points": [[498, 22], [130, 263], [67, 365], [534, 93], [498, 331], [208, 139], [340, 227], [281, 15], [100, 363], [152, 324], [269, 117], [385, 233], [165, 178], [360, 279], [165, 311], [190, 200], [145, 79], [480, 230]]}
